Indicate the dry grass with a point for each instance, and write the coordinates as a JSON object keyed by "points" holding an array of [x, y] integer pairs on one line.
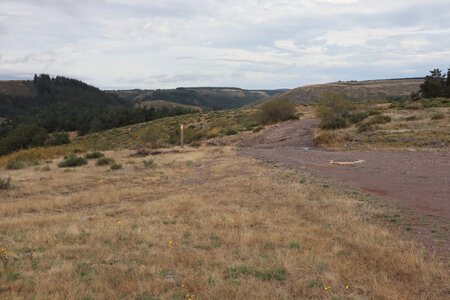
{"points": [[409, 129], [203, 224]]}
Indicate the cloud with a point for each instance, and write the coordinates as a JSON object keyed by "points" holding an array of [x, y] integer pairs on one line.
{"points": [[253, 44]]}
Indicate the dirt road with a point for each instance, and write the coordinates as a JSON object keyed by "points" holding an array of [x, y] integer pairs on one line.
{"points": [[419, 180]]}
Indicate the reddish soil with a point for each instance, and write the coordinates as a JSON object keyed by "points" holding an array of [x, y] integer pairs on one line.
{"points": [[416, 181]]}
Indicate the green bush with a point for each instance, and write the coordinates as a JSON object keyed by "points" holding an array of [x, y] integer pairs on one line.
{"points": [[411, 118], [116, 166], [381, 119], [276, 111], [15, 165], [72, 161], [357, 117], [94, 155], [373, 112], [104, 161], [230, 131], [334, 123], [58, 138], [437, 117], [366, 126], [5, 183], [259, 128]]}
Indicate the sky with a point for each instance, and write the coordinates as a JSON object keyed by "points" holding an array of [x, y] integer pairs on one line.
{"points": [[251, 44]]}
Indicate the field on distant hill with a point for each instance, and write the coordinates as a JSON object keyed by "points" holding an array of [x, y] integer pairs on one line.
{"points": [[211, 97], [162, 103], [22, 88], [354, 90]]}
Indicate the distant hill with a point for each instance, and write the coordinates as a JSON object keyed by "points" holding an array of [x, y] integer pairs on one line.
{"points": [[161, 103], [354, 90], [205, 97]]}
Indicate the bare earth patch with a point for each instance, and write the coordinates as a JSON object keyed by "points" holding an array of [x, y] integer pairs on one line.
{"points": [[418, 182]]}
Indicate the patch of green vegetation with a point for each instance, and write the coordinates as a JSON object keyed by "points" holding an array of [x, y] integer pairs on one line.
{"points": [[5, 183], [104, 161], [94, 155], [72, 161], [15, 165], [278, 274]]}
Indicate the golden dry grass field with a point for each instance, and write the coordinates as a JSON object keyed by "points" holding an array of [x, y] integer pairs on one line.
{"points": [[199, 224]]}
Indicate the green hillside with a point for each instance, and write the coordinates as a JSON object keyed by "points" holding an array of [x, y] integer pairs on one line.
{"points": [[206, 97]]}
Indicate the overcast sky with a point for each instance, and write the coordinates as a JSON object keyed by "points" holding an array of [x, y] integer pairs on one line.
{"points": [[249, 44]]}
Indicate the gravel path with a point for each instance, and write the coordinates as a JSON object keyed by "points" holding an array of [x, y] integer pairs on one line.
{"points": [[417, 180]]}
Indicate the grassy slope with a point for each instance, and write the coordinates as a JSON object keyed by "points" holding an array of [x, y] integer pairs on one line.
{"points": [[412, 127], [17, 88], [204, 224], [357, 90], [161, 103]]}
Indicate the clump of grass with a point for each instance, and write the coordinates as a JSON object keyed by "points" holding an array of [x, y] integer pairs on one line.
{"points": [[116, 166], [411, 118], [104, 161], [366, 126], [94, 155], [5, 183], [72, 161], [357, 117], [150, 164], [46, 168], [382, 119], [230, 131], [334, 123], [15, 165], [437, 117], [258, 129]]}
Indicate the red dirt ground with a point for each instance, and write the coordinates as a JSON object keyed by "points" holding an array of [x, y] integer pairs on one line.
{"points": [[418, 181]]}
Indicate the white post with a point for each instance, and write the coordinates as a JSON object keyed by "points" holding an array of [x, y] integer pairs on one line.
{"points": [[182, 136]]}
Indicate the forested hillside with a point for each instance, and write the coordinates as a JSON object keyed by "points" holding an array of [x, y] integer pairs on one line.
{"points": [[31, 109], [207, 97]]}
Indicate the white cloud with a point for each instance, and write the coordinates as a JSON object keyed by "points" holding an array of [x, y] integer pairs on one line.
{"points": [[254, 43]]}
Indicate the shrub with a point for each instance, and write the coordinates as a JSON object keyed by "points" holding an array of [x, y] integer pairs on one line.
{"points": [[46, 168], [72, 161], [94, 155], [276, 111], [437, 117], [230, 131], [58, 138], [357, 117], [411, 118], [104, 161], [381, 119], [116, 166], [5, 183], [259, 128], [333, 105], [366, 126], [15, 165], [334, 123], [373, 112], [325, 138]]}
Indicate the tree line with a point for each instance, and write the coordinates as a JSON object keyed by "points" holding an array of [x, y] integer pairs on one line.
{"points": [[436, 85], [63, 104]]}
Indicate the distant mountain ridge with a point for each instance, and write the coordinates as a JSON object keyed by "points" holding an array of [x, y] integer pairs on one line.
{"points": [[205, 97], [354, 90]]}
